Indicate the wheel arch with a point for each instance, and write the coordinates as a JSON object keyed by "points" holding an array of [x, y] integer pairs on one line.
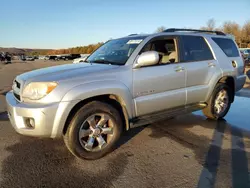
{"points": [[230, 82], [114, 100]]}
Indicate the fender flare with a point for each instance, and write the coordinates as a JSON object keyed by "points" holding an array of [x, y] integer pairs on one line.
{"points": [[98, 88]]}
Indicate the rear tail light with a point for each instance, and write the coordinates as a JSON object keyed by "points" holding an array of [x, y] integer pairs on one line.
{"points": [[244, 62], [244, 70]]}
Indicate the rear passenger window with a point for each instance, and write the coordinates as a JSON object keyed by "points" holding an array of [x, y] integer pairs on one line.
{"points": [[228, 46], [195, 48]]}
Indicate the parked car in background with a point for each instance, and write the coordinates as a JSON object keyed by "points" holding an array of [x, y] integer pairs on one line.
{"points": [[23, 57], [81, 59], [2, 56], [246, 53], [27, 58], [41, 57], [53, 57], [74, 56], [8, 58], [15, 57], [30, 58], [64, 57], [67, 57]]}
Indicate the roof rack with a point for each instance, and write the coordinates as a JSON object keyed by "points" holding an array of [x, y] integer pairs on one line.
{"points": [[194, 30], [132, 34]]}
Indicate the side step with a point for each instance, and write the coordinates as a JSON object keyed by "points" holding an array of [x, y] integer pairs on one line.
{"points": [[167, 114]]}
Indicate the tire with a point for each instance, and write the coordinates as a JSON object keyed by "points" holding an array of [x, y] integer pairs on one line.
{"points": [[211, 111], [80, 145]]}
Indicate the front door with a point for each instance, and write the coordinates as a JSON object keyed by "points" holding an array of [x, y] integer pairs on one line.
{"points": [[160, 87]]}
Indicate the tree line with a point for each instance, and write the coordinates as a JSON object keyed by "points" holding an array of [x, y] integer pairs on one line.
{"points": [[241, 33], [76, 50]]}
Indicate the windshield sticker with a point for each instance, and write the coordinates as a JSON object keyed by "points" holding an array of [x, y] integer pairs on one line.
{"points": [[134, 41]]}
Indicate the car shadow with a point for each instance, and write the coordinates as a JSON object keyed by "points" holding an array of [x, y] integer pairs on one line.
{"points": [[128, 135], [4, 116], [47, 163], [209, 153], [3, 92]]}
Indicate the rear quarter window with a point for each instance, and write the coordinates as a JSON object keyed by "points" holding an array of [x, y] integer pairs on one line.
{"points": [[227, 46]]}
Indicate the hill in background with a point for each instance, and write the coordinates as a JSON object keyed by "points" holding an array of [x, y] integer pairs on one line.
{"points": [[76, 50], [19, 51]]}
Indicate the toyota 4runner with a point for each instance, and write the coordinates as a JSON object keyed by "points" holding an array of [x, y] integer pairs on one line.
{"points": [[127, 82]]}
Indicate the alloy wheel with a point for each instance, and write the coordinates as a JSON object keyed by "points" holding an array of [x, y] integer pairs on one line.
{"points": [[96, 132], [221, 102]]}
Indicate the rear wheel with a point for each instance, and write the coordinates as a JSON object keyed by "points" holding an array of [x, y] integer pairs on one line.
{"points": [[219, 103], [94, 131]]}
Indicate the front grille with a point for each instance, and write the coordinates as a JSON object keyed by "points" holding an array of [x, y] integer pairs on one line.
{"points": [[17, 96], [18, 85]]}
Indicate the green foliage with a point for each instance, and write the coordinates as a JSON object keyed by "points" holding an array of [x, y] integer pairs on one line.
{"points": [[76, 50], [36, 52]]}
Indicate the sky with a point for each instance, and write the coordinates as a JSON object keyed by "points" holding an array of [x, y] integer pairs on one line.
{"points": [[55, 24]]}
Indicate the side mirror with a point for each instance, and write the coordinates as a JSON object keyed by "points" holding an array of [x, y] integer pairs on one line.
{"points": [[147, 59]]}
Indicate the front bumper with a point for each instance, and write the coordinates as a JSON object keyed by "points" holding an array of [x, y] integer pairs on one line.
{"points": [[49, 118]]}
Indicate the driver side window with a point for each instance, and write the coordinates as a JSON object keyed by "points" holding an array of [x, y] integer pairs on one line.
{"points": [[166, 49]]}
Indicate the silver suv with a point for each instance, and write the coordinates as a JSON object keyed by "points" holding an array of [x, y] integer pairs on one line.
{"points": [[127, 82]]}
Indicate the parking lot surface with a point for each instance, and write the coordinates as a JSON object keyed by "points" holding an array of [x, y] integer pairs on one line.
{"points": [[186, 151]]}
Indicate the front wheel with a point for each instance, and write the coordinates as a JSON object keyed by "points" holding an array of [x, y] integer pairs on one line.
{"points": [[219, 103], [94, 131]]}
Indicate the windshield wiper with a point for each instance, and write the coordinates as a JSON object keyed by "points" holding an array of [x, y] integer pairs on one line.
{"points": [[105, 62]]}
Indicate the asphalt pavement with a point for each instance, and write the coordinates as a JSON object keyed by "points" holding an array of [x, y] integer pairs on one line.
{"points": [[186, 151]]}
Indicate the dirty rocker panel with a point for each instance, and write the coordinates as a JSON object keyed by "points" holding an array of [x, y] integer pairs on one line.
{"points": [[166, 114]]}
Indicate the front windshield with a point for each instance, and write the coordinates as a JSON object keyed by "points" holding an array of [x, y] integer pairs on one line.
{"points": [[115, 51]]}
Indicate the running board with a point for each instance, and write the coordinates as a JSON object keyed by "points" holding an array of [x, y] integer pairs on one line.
{"points": [[167, 114]]}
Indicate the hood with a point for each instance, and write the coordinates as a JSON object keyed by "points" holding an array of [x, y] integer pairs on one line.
{"points": [[62, 72]]}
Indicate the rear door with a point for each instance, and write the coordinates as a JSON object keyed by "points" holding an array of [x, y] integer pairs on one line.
{"points": [[200, 66]]}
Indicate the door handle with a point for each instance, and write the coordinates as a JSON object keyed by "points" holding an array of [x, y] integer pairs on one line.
{"points": [[179, 69], [211, 64]]}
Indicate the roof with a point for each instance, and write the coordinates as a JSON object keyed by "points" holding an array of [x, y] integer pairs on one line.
{"points": [[174, 31]]}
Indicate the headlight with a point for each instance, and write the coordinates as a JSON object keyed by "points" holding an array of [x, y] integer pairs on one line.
{"points": [[38, 90]]}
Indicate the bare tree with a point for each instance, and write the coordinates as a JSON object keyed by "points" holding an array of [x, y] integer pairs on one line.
{"points": [[234, 29], [210, 26], [245, 34], [160, 29]]}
